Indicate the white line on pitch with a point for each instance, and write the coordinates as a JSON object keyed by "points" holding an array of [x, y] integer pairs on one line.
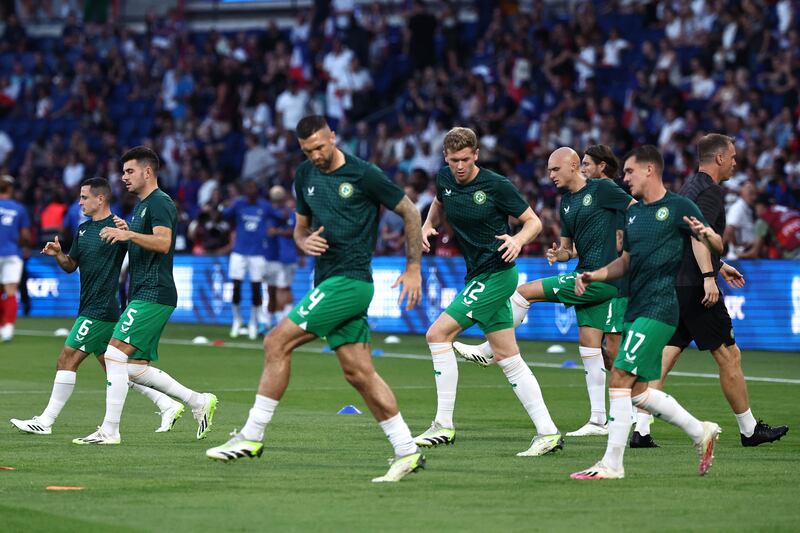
{"points": [[418, 357]]}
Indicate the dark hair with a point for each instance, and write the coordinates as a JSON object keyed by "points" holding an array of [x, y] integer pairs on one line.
{"points": [[600, 153], [710, 145], [98, 186], [309, 125], [142, 155], [647, 153]]}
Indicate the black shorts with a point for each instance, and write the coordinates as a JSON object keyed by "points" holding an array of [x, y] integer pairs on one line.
{"points": [[709, 328]]}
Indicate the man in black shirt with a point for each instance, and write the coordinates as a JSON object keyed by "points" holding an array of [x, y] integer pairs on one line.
{"points": [[703, 315]]}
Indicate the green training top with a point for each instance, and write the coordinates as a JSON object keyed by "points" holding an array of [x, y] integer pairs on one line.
{"points": [[151, 272], [99, 264], [346, 202], [589, 217], [478, 212], [655, 235]]}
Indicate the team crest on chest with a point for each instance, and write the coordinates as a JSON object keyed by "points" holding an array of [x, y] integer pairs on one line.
{"points": [[662, 213], [587, 200], [479, 197], [346, 190]]}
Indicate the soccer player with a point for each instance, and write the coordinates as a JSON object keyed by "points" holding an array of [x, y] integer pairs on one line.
{"points": [[282, 275], [703, 315], [153, 297], [652, 251], [599, 162], [274, 271], [477, 203], [98, 311], [589, 211], [14, 232], [338, 202], [251, 214]]}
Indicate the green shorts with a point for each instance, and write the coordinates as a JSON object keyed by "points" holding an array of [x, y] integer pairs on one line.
{"points": [[141, 326], [640, 350], [591, 308], [485, 301], [90, 335], [615, 315], [336, 309]]}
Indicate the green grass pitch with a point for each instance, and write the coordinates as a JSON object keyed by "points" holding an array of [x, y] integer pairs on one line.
{"points": [[316, 469]]}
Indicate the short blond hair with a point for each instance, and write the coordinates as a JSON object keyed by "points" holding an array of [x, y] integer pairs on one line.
{"points": [[460, 138]]}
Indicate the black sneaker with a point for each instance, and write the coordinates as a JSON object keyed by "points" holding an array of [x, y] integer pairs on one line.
{"points": [[642, 441], [764, 433]]}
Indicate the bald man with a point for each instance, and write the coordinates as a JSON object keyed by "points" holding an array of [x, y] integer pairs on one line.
{"points": [[589, 208]]}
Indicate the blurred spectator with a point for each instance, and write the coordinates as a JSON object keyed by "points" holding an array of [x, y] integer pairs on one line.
{"points": [[420, 34], [777, 231], [739, 233], [6, 147], [336, 65], [291, 105], [391, 235], [258, 160], [73, 171], [210, 232], [613, 49], [51, 218]]}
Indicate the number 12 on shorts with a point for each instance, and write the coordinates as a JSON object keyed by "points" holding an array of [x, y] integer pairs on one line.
{"points": [[471, 294]]}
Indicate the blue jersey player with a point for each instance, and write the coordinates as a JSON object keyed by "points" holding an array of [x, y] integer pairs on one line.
{"points": [[14, 232], [280, 272], [250, 215]]}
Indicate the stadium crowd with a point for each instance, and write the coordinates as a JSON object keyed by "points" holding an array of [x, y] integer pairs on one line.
{"points": [[220, 108]]}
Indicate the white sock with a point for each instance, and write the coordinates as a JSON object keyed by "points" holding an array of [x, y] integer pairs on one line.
{"points": [[529, 393], [643, 421], [117, 389], [271, 319], [668, 409], [259, 417], [63, 385], [399, 435], [519, 308], [445, 368], [595, 382], [619, 424], [162, 401], [150, 376], [237, 314], [747, 424], [253, 317]]}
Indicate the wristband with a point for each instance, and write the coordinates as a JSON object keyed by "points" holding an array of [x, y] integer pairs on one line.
{"points": [[708, 274]]}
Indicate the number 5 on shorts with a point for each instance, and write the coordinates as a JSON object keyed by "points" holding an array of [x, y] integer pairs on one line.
{"points": [[127, 324]]}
